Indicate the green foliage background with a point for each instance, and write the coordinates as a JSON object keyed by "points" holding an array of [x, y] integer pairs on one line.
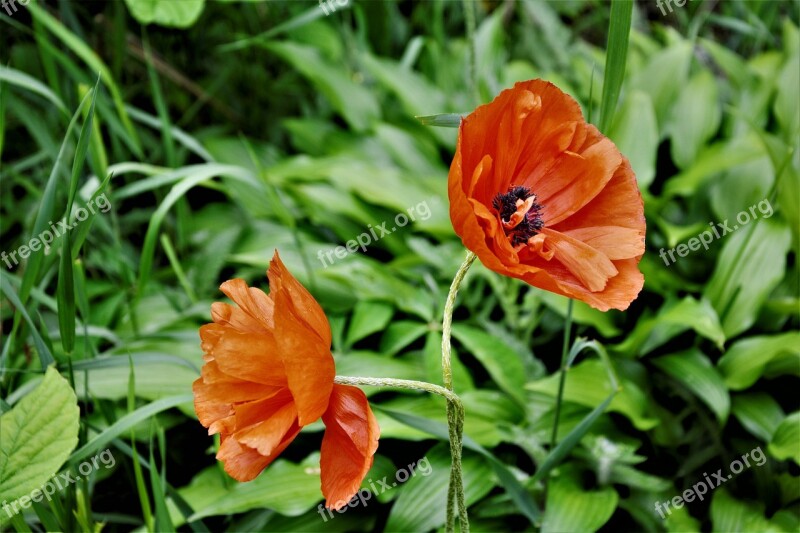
{"points": [[220, 131]]}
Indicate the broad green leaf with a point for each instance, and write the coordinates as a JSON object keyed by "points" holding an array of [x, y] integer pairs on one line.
{"points": [[675, 318], [520, 496], [758, 412], [731, 515], [785, 442], [745, 362], [37, 436], [662, 78], [166, 13], [694, 370], [748, 269], [421, 506], [368, 318], [400, 334], [500, 360], [288, 488], [713, 159], [695, 118], [786, 106], [369, 364], [570, 507], [353, 101], [587, 384], [582, 313], [635, 132]]}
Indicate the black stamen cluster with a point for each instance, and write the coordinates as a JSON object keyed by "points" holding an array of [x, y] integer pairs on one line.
{"points": [[506, 205]]}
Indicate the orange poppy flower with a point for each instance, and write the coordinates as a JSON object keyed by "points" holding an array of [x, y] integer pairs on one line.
{"points": [[540, 195], [268, 372]]}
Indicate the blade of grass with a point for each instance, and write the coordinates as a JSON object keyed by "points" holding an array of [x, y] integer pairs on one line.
{"points": [[93, 61], [24, 81], [45, 355], [177, 268], [144, 499], [65, 290], [619, 30], [127, 422], [45, 213], [157, 484]]}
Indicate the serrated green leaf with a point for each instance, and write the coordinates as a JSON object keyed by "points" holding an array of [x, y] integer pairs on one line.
{"points": [[37, 436]]}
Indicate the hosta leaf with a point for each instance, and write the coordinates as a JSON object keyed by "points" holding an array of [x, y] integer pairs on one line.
{"points": [[747, 359], [786, 440], [693, 369], [572, 508]]}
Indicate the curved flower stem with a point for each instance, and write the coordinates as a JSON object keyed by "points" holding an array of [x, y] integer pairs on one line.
{"points": [[455, 493], [447, 321], [400, 384]]}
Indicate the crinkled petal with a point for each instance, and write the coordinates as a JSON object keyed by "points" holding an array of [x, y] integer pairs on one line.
{"points": [[244, 463], [349, 444]]}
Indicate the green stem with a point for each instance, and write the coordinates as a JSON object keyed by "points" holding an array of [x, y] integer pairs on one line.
{"points": [[455, 493], [563, 377], [447, 321], [400, 384]]}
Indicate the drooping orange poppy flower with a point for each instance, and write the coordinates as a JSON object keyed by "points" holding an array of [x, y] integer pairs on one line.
{"points": [[268, 372], [540, 195]]}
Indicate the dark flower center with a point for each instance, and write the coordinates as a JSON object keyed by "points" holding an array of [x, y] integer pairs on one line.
{"points": [[520, 214]]}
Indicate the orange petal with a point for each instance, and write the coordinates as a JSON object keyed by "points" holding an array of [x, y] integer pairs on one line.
{"points": [[250, 356], [308, 363], [243, 463], [588, 265], [613, 241], [268, 434], [256, 308], [573, 181], [349, 444], [303, 305]]}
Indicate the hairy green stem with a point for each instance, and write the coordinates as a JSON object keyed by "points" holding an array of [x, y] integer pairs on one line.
{"points": [[455, 493], [400, 384]]}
